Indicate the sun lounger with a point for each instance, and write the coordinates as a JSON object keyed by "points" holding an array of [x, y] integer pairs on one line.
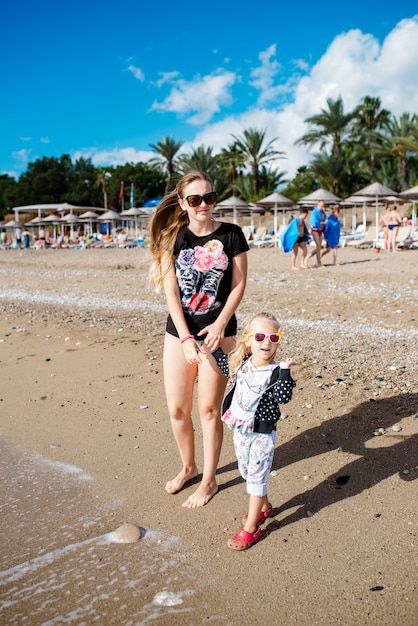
{"points": [[367, 241]]}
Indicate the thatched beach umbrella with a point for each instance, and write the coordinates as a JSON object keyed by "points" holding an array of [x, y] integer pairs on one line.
{"points": [[234, 204], [320, 194], [110, 216], [411, 194], [274, 201], [376, 191]]}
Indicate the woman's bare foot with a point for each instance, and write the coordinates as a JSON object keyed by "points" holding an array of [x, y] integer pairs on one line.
{"points": [[202, 495], [177, 484]]}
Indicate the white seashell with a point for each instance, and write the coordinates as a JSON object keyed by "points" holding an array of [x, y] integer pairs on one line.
{"points": [[126, 533], [396, 428]]}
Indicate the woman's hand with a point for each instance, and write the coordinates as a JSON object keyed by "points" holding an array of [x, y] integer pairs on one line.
{"points": [[191, 351], [213, 335]]}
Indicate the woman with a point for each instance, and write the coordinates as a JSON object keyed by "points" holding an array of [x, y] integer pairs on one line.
{"points": [[202, 266], [393, 221]]}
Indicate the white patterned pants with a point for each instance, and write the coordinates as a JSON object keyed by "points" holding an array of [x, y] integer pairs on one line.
{"points": [[255, 457]]}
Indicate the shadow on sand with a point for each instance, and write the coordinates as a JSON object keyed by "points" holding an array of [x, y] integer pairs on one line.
{"points": [[350, 432]]}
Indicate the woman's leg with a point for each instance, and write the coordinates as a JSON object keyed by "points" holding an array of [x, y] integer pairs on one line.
{"points": [[179, 378], [211, 389], [395, 234]]}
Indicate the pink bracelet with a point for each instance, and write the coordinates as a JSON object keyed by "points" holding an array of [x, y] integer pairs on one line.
{"points": [[186, 338]]}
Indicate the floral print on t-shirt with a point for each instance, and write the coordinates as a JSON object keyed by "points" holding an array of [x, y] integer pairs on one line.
{"points": [[199, 271]]}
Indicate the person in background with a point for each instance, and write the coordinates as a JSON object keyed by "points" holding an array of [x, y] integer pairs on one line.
{"points": [[26, 238], [317, 223], [201, 263], [301, 241], [385, 229], [251, 409], [392, 220], [332, 232]]}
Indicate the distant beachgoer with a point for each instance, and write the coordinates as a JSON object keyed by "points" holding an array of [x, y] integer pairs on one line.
{"points": [[385, 229], [302, 240], [251, 409], [18, 238], [202, 265], [393, 220], [332, 234], [317, 223], [26, 239]]}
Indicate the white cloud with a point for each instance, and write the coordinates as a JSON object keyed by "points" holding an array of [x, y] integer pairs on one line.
{"points": [[10, 173], [44, 139], [262, 78], [166, 77], [354, 66], [25, 138], [137, 72], [115, 156], [202, 96], [22, 156]]}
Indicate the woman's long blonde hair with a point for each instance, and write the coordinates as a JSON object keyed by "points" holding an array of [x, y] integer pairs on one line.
{"points": [[241, 351], [167, 220]]}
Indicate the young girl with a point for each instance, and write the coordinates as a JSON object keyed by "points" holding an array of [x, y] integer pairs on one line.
{"points": [[202, 265], [251, 410]]}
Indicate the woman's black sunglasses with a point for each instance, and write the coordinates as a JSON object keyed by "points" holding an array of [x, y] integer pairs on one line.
{"points": [[195, 200]]}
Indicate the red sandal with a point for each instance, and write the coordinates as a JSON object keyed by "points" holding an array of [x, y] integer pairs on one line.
{"points": [[262, 517], [244, 540]]}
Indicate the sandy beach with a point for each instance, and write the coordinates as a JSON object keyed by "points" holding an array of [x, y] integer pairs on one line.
{"points": [[86, 445]]}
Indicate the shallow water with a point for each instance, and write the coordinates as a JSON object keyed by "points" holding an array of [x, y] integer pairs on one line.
{"points": [[58, 564]]}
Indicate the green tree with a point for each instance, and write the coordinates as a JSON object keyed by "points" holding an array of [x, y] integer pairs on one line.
{"points": [[46, 180], [331, 127], [256, 153], [392, 143], [8, 194], [200, 159], [167, 150], [103, 176], [369, 117], [231, 162], [302, 184]]}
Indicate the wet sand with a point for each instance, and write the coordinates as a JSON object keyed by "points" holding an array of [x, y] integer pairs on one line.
{"points": [[80, 358]]}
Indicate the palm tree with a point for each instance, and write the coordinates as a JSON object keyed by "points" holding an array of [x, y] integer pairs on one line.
{"points": [[255, 153], [341, 174], [331, 126], [394, 142], [200, 159], [369, 117], [231, 162], [167, 149], [102, 181]]}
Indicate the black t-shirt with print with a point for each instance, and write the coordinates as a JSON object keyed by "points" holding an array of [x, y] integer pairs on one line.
{"points": [[204, 274]]}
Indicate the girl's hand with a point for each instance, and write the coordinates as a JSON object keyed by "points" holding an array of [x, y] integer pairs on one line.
{"points": [[285, 365]]}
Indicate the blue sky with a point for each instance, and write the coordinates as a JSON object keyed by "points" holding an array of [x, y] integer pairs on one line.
{"points": [[106, 80]]}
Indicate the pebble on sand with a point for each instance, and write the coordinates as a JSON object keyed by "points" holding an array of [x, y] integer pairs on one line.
{"points": [[126, 533]]}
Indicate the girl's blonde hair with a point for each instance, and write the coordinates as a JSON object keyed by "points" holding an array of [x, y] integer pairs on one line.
{"points": [[167, 220], [242, 350]]}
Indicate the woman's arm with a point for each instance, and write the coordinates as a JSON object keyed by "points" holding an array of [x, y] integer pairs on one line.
{"points": [[172, 294]]}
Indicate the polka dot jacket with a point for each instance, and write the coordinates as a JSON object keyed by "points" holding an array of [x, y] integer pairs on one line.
{"points": [[278, 391]]}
